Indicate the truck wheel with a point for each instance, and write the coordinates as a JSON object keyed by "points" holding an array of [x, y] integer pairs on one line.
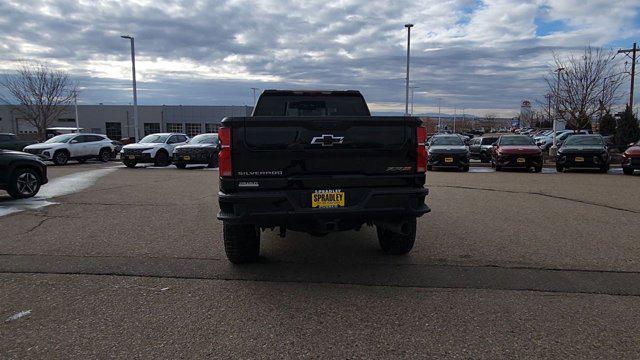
{"points": [[241, 243], [129, 163], [181, 165], [604, 169], [162, 158], [627, 171], [465, 168], [559, 168], [105, 155], [23, 183], [537, 169], [61, 157], [397, 244]]}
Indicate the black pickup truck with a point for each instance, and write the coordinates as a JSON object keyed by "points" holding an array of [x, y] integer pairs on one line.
{"points": [[318, 162]]}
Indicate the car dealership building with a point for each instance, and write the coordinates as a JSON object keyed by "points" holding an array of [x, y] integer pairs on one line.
{"points": [[116, 121]]}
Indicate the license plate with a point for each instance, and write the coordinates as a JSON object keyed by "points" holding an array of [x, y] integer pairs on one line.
{"points": [[327, 199], [132, 157], [448, 160], [186, 157], [521, 160], [579, 159]]}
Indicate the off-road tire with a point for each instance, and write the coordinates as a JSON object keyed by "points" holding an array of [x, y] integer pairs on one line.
{"points": [[60, 157], [17, 190], [241, 243], [397, 244]]}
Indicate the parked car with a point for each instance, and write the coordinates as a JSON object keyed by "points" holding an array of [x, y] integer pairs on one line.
{"points": [[631, 159], [201, 149], [583, 152], [10, 141], [480, 148], [516, 151], [81, 147], [545, 142], [564, 136], [448, 151], [154, 148], [21, 174], [318, 162]]}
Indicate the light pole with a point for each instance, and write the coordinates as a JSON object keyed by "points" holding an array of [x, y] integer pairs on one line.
{"points": [[455, 112], [135, 92], [254, 96], [75, 103], [412, 90], [406, 101], [439, 125], [554, 147]]}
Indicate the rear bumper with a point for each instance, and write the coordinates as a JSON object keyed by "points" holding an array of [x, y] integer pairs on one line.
{"points": [[292, 209]]}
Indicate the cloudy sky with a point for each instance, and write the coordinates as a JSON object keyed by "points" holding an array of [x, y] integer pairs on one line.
{"points": [[479, 55]]}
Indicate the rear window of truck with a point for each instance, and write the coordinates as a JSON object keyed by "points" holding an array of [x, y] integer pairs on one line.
{"points": [[311, 106]]}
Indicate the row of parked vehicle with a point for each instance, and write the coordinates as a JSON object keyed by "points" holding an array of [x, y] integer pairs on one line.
{"points": [[576, 151], [162, 149]]}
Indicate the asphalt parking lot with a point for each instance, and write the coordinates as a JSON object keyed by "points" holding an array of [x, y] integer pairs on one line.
{"points": [[506, 264]]}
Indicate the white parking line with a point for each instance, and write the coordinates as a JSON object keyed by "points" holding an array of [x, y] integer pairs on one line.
{"points": [[64, 185]]}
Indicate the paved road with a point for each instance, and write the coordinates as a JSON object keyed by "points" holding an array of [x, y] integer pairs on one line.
{"points": [[507, 263]]}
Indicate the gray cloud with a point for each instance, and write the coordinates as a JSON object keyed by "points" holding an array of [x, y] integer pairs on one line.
{"points": [[474, 55]]}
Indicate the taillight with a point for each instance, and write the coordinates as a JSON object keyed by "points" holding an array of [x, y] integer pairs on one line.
{"points": [[421, 161], [224, 155]]}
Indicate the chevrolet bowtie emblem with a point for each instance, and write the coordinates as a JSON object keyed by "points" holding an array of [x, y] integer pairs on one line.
{"points": [[327, 140]]}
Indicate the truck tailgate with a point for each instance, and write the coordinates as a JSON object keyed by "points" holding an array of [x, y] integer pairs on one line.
{"points": [[316, 152]]}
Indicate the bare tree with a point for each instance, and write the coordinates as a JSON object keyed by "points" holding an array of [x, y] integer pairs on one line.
{"points": [[589, 82], [490, 122], [38, 94]]}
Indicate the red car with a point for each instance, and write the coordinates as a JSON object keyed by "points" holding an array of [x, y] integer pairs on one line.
{"points": [[631, 159], [516, 152]]}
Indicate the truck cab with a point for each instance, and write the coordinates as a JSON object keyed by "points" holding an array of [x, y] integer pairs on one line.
{"points": [[318, 162]]}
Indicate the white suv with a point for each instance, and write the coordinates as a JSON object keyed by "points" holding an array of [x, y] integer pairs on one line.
{"points": [[154, 148], [62, 148]]}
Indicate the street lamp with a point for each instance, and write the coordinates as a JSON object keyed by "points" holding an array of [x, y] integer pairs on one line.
{"points": [[439, 124], [135, 92], [254, 96], [412, 90], [75, 103], [554, 147], [406, 101]]}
